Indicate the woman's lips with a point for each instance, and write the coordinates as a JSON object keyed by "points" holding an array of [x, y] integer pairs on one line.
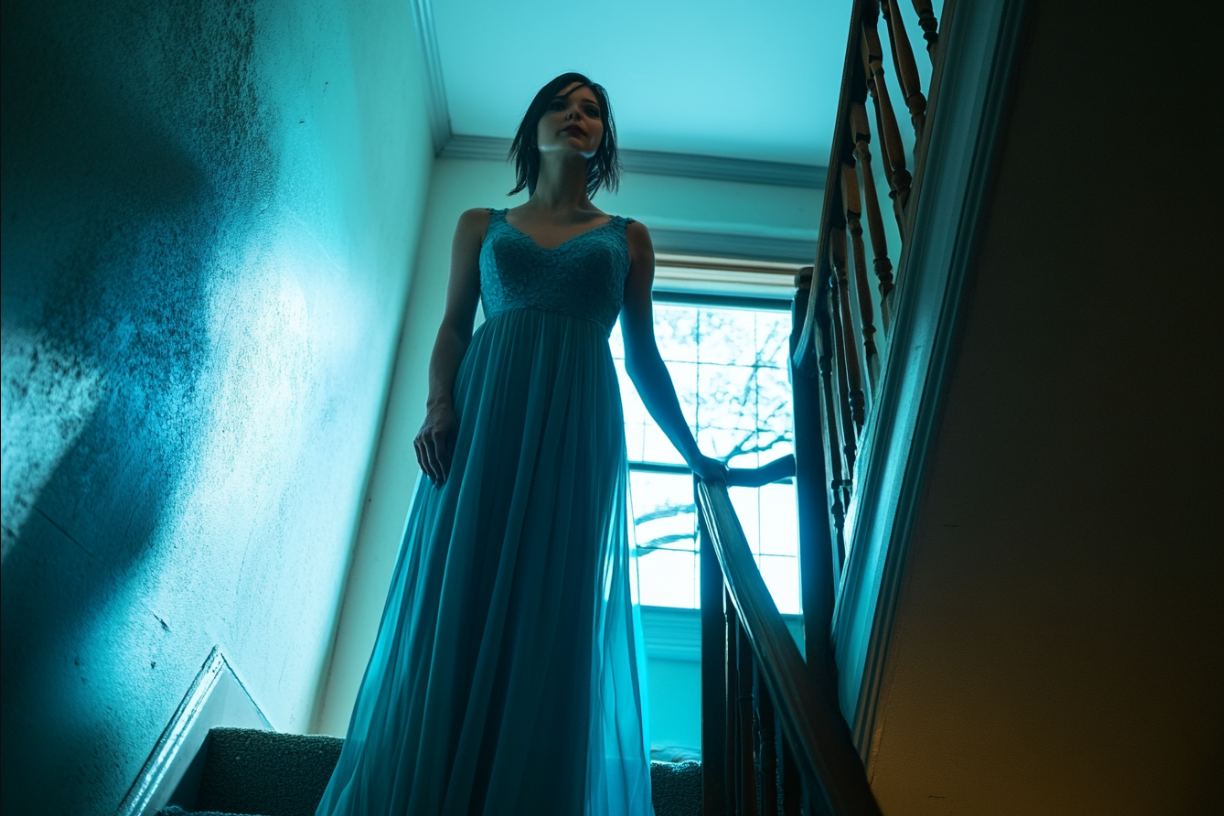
{"points": [[577, 131]]}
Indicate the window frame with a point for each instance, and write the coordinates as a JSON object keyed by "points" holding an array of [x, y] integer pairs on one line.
{"points": [[699, 299]]}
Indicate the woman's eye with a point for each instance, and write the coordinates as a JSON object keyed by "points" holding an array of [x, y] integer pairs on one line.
{"points": [[593, 113]]}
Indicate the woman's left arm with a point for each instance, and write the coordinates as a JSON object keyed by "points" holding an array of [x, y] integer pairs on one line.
{"points": [[645, 365]]}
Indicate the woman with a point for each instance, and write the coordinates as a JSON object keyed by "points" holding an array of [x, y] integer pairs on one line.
{"points": [[505, 675]]}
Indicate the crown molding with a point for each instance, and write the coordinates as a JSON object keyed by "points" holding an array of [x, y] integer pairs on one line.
{"points": [[653, 162], [435, 88], [720, 168]]}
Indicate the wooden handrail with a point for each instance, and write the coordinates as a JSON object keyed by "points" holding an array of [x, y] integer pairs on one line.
{"points": [[818, 735], [755, 682]]}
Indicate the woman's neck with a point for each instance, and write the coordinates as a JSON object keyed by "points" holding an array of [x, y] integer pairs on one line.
{"points": [[561, 185]]}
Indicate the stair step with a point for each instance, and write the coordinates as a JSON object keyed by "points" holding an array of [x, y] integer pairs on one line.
{"points": [[265, 773], [675, 788]]}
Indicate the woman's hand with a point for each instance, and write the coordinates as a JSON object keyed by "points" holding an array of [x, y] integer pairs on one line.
{"points": [[435, 442], [709, 468]]}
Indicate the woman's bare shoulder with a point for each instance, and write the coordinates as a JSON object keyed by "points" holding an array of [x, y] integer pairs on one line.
{"points": [[638, 238], [473, 224], [475, 217]]}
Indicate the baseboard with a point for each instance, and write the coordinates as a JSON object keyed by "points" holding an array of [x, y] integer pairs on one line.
{"points": [[171, 775]]}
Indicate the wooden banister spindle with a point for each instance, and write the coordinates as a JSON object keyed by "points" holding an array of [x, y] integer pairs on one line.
{"points": [[929, 25], [904, 64], [792, 788], [886, 165], [875, 221], [848, 349], [747, 729], [890, 135], [769, 748], [842, 416], [853, 213], [731, 702], [713, 674], [823, 336]]}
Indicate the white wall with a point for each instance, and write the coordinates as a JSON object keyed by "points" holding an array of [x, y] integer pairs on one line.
{"points": [[660, 201]]}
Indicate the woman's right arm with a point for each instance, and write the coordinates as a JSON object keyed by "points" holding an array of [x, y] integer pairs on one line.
{"points": [[434, 443]]}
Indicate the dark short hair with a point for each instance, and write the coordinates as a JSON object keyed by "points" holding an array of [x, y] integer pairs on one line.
{"points": [[603, 169]]}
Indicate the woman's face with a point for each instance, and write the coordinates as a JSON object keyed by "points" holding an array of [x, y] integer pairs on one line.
{"points": [[571, 123]]}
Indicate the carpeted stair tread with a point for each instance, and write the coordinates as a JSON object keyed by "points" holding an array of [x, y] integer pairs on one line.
{"points": [[676, 788], [174, 810], [265, 773]]}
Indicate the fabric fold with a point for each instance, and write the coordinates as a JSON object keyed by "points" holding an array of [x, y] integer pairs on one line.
{"points": [[505, 675]]}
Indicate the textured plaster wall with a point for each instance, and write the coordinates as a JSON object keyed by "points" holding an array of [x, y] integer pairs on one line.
{"points": [[660, 201], [209, 216]]}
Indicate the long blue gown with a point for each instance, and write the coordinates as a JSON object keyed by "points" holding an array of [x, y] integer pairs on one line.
{"points": [[504, 679]]}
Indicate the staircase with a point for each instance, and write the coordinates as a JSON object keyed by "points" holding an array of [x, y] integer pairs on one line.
{"points": [[269, 774]]}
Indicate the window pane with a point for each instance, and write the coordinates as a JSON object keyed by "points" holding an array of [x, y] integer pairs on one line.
{"points": [[656, 447], [729, 366], [685, 378], [773, 338], [663, 512], [744, 500], [736, 447], [635, 411], [774, 401], [616, 342], [676, 332], [779, 520], [728, 336], [727, 396], [667, 578], [781, 575]]}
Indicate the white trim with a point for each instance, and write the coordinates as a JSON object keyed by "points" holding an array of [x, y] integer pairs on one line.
{"points": [[674, 633], [733, 245], [728, 264], [778, 285], [658, 163], [435, 88], [215, 698]]}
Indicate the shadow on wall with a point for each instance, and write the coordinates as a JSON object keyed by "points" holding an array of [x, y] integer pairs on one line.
{"points": [[113, 231]]}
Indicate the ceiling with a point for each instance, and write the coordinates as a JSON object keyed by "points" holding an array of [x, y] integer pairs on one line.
{"points": [[714, 78]]}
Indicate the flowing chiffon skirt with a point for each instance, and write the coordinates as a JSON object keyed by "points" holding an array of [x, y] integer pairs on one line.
{"points": [[504, 679]]}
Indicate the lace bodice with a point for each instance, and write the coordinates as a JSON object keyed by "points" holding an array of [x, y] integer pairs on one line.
{"points": [[583, 277]]}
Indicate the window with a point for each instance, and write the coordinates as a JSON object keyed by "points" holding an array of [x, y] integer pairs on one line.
{"points": [[728, 360]]}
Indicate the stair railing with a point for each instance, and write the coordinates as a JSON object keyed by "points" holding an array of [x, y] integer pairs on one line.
{"points": [[839, 345], [755, 680], [773, 735]]}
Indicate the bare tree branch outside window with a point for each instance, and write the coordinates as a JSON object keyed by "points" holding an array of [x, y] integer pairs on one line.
{"points": [[729, 366]]}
